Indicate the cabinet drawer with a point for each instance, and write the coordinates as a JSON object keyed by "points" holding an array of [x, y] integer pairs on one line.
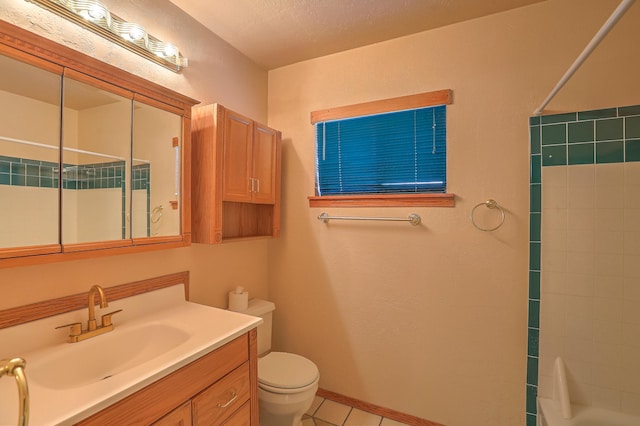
{"points": [[242, 417], [181, 416], [220, 400]]}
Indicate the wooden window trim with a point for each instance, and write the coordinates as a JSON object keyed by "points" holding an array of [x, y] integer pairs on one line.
{"points": [[384, 200], [439, 97], [420, 100]]}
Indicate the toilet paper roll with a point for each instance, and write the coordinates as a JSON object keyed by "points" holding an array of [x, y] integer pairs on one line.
{"points": [[238, 300]]}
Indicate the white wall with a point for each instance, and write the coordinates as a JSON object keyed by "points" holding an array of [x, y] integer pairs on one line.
{"points": [[432, 320]]}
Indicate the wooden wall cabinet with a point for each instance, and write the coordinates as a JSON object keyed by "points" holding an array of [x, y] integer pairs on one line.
{"points": [[220, 388], [236, 176]]}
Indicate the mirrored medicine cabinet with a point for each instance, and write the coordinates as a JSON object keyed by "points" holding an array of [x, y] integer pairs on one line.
{"points": [[93, 160]]}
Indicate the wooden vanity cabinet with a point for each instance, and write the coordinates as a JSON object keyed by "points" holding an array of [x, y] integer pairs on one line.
{"points": [[181, 416], [219, 388], [236, 176]]}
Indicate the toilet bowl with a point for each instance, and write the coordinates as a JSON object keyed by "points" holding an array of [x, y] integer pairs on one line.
{"points": [[287, 384]]}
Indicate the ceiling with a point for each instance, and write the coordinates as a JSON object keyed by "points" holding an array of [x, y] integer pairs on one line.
{"points": [[275, 33]]}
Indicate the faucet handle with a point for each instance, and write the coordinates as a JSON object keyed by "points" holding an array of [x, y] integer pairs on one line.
{"points": [[106, 318], [76, 328]]}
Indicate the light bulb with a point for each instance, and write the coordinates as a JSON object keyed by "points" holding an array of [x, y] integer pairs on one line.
{"points": [[136, 33], [169, 50], [96, 12]]}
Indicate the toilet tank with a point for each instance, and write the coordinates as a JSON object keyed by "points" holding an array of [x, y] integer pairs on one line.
{"points": [[263, 309]]}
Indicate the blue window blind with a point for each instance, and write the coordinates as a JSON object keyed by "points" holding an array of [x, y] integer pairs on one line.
{"points": [[396, 152]]}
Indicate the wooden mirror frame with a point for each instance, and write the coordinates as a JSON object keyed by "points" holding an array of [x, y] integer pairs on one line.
{"points": [[31, 48]]}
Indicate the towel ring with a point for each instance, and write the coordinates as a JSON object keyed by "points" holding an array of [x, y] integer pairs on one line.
{"points": [[491, 204], [156, 214]]}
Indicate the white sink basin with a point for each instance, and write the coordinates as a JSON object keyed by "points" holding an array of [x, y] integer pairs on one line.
{"points": [[102, 357]]}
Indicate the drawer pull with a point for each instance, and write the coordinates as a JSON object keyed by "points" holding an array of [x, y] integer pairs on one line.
{"points": [[234, 395]]}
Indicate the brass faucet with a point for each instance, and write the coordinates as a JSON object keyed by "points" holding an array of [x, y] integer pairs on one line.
{"points": [[77, 334], [15, 367], [91, 324]]}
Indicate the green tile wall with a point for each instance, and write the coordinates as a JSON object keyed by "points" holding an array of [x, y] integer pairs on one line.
{"points": [[94, 176], [26, 172], [140, 181], [609, 135]]}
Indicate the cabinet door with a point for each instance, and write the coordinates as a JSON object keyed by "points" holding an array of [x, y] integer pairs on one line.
{"points": [[181, 416], [236, 180], [265, 141], [29, 157], [96, 157], [155, 170]]}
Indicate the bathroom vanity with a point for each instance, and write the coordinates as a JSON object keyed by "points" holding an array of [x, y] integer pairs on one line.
{"points": [[167, 361], [216, 388]]}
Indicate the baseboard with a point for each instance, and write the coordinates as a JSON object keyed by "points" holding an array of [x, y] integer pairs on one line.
{"points": [[376, 409]]}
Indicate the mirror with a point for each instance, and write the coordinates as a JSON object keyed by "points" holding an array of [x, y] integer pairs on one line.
{"points": [[96, 140], [156, 171], [88, 165], [29, 154]]}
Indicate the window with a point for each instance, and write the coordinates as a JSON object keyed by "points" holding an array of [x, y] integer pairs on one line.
{"points": [[383, 149]]}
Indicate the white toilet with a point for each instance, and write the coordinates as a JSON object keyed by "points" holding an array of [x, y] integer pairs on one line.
{"points": [[287, 383]]}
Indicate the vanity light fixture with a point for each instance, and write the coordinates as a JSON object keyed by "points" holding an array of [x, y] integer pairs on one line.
{"points": [[94, 16]]}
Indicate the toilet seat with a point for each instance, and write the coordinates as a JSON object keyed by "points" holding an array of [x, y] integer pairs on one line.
{"points": [[286, 373]]}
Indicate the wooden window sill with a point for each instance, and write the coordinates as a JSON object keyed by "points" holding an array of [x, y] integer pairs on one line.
{"points": [[384, 200]]}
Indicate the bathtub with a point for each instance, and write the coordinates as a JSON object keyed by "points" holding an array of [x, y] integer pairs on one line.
{"points": [[549, 414], [559, 411]]}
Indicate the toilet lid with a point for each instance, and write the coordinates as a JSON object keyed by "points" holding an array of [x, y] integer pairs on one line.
{"points": [[286, 371]]}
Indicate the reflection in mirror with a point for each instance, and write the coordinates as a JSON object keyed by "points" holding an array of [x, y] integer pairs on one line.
{"points": [[156, 172], [29, 154], [97, 144]]}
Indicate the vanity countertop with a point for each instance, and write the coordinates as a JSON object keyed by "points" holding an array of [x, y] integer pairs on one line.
{"points": [[156, 334]]}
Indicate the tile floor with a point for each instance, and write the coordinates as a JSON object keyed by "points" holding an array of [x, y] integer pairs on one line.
{"points": [[324, 412]]}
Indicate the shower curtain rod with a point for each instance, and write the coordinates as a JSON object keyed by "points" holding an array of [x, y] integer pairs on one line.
{"points": [[600, 35], [79, 151]]}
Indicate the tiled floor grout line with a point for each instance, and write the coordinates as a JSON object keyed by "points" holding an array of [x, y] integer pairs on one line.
{"points": [[312, 417]]}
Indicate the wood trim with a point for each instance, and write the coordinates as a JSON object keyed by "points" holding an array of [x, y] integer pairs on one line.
{"points": [[440, 97], [99, 245], [157, 104], [30, 59], [253, 375], [94, 82], [27, 260], [277, 205], [376, 409], [9, 252], [157, 240], [35, 311], [185, 173], [381, 200]]}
